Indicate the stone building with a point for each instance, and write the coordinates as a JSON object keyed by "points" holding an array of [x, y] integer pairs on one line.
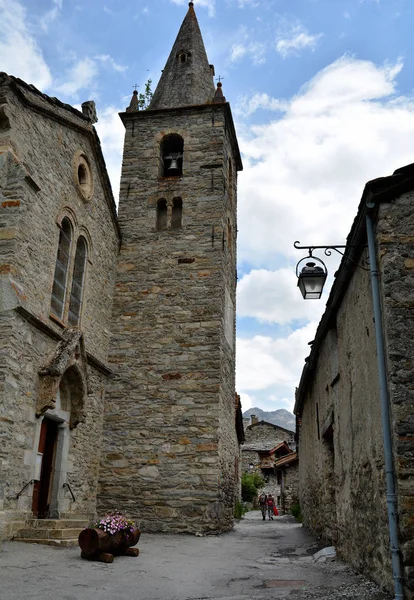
{"points": [[266, 443], [341, 448], [142, 397], [58, 241], [287, 470]]}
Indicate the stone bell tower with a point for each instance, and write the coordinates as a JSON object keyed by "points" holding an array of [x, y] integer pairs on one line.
{"points": [[170, 447]]}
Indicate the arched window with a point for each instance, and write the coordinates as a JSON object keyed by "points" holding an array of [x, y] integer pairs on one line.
{"points": [[177, 213], [183, 56], [162, 214], [61, 269], [172, 151], [78, 277]]}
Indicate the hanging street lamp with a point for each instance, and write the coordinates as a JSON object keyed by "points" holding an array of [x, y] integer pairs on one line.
{"points": [[312, 272]]}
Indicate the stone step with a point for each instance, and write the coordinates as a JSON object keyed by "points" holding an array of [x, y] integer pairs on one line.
{"points": [[49, 542], [42, 533], [57, 523]]}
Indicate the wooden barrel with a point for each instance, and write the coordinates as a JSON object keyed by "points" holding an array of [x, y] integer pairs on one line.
{"points": [[95, 541]]}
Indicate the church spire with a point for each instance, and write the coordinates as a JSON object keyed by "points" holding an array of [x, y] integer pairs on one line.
{"points": [[187, 78]]}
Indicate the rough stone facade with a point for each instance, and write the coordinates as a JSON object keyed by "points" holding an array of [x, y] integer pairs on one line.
{"points": [[288, 468], [39, 138], [173, 344], [342, 479], [260, 438], [170, 453]]}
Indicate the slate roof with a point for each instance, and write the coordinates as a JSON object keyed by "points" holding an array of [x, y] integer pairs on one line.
{"points": [[286, 460], [188, 82]]}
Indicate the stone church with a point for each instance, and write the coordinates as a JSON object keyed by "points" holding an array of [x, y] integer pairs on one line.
{"points": [[117, 354]]}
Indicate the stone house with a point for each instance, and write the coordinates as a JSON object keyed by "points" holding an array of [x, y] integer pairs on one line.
{"points": [[342, 475], [117, 354], [266, 443], [287, 471]]}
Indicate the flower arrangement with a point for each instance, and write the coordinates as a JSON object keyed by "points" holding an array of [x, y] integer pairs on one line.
{"points": [[115, 521]]}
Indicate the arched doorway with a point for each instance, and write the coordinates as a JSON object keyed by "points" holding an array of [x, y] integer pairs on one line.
{"points": [[49, 497], [45, 463]]}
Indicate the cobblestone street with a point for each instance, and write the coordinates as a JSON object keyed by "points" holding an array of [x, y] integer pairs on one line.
{"points": [[258, 560]]}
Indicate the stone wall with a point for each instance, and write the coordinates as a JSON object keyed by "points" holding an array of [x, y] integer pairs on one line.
{"points": [[38, 142], [265, 435], [395, 239], [342, 479], [342, 488], [170, 444], [290, 486]]}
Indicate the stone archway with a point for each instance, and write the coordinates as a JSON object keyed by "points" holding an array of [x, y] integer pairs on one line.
{"points": [[60, 404], [68, 362]]}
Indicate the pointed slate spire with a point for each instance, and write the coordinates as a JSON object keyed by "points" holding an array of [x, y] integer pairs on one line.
{"points": [[218, 96], [187, 78]]}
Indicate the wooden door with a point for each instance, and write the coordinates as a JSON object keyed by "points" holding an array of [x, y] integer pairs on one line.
{"points": [[42, 489]]}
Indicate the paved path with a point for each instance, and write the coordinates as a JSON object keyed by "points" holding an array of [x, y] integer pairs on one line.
{"points": [[258, 560]]}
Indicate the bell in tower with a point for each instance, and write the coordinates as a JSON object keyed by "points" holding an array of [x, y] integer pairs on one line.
{"points": [[172, 454]]}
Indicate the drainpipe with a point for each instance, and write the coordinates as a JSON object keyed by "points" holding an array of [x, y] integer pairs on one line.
{"points": [[385, 412]]}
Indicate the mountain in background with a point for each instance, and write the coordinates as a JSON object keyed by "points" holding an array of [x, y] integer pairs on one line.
{"points": [[280, 417]]}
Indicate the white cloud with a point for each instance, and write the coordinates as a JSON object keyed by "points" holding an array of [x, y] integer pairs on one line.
{"points": [[108, 60], [111, 133], [247, 401], [237, 52], [51, 15], [273, 297], [20, 55], [248, 3], [80, 76], [209, 4], [304, 173], [264, 363], [248, 105], [255, 50], [297, 39]]}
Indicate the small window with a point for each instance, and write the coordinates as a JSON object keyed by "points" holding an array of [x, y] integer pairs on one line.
{"points": [[162, 214], [183, 56], [61, 269], [177, 213], [172, 151], [78, 277], [82, 176]]}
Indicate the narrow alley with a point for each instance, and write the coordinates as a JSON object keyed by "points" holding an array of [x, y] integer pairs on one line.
{"points": [[257, 560]]}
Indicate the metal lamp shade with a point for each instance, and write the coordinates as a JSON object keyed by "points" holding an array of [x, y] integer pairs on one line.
{"points": [[311, 281]]}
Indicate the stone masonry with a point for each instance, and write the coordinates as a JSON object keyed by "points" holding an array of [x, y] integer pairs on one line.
{"points": [[164, 443], [170, 450], [170, 410], [342, 479], [39, 138], [263, 436]]}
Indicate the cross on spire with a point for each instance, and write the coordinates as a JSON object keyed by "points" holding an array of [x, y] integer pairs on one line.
{"points": [[135, 86], [219, 78]]}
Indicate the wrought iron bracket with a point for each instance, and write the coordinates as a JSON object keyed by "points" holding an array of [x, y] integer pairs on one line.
{"points": [[328, 252]]}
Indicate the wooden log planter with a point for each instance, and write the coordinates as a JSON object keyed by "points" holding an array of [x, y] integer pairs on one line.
{"points": [[96, 544]]}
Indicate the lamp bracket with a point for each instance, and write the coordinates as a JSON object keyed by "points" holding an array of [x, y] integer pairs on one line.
{"points": [[328, 251]]}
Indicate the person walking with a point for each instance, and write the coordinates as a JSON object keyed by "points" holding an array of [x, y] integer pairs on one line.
{"points": [[263, 504], [270, 506]]}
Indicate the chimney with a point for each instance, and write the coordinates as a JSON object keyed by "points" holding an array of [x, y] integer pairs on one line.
{"points": [[254, 419], [89, 110]]}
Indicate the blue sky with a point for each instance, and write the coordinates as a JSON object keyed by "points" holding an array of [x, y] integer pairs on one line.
{"points": [[323, 100]]}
